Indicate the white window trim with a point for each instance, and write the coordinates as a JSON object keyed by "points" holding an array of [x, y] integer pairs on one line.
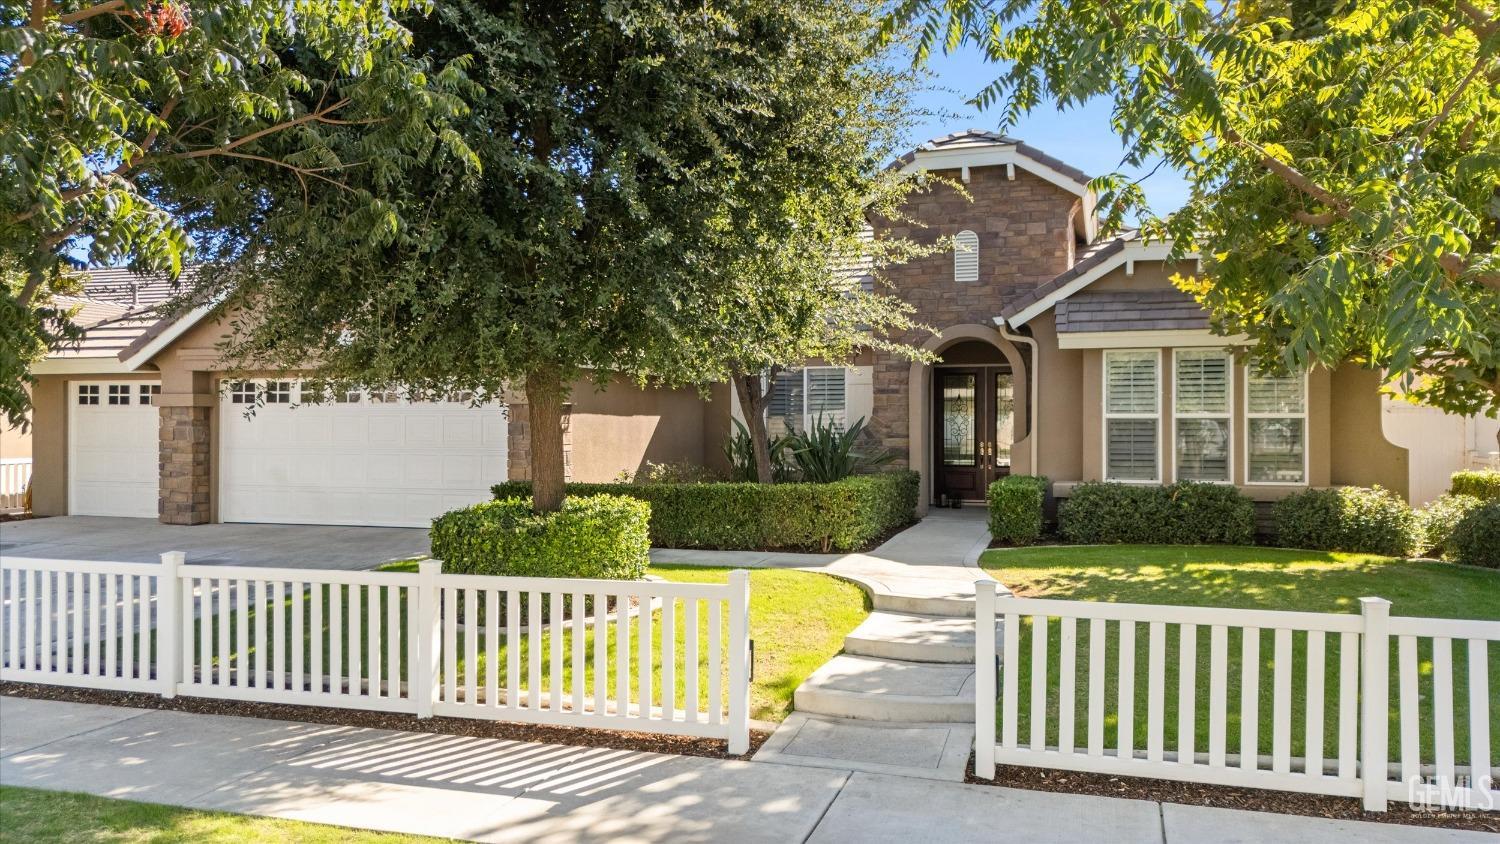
{"points": [[1306, 434], [1227, 416], [808, 418], [1106, 415]]}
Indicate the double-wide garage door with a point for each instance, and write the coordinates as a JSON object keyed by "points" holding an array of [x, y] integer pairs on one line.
{"points": [[365, 459]]}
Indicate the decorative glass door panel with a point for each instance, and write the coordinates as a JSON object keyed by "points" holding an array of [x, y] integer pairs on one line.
{"points": [[1005, 419], [959, 420]]}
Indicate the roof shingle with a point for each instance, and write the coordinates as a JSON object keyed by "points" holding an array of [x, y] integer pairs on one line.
{"points": [[1130, 310]]}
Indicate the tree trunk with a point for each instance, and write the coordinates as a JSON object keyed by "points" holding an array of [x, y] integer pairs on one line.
{"points": [[544, 399], [753, 404]]}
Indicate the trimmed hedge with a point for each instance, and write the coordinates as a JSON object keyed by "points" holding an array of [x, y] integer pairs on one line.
{"points": [[598, 536], [842, 516], [1360, 519], [1184, 513], [1439, 518], [1015, 505], [1475, 540], [1483, 484]]}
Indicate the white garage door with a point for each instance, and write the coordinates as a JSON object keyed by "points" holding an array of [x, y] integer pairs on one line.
{"points": [[365, 459], [113, 448]]}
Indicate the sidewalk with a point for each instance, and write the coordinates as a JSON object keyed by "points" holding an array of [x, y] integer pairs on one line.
{"points": [[509, 791]]}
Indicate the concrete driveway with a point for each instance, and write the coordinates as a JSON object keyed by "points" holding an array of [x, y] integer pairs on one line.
{"points": [[144, 540]]}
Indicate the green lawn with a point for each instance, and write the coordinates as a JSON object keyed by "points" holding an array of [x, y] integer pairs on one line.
{"points": [[32, 815], [798, 621], [1249, 578]]}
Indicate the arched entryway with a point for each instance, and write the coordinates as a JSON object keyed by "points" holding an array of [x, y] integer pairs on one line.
{"points": [[969, 410]]}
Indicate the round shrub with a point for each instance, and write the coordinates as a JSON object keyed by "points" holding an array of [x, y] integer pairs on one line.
{"points": [[1106, 513], [1015, 508], [1205, 514], [596, 536], [1483, 484], [1475, 540], [1440, 518], [1368, 520]]}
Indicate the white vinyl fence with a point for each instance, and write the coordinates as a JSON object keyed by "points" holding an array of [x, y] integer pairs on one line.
{"points": [[1072, 697], [541, 650], [15, 475]]}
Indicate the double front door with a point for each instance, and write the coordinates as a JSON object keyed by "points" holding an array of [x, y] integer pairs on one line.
{"points": [[975, 424]]}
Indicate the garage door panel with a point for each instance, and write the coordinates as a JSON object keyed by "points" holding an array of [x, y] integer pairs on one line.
{"points": [[358, 463], [113, 449]]}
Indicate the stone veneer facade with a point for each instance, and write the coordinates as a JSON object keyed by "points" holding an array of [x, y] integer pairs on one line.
{"points": [[186, 455], [1025, 231], [518, 441]]}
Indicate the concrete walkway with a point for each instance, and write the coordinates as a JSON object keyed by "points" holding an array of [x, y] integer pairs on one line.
{"points": [[900, 698], [508, 791]]}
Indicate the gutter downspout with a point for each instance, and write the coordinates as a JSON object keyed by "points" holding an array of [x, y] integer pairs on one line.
{"points": [[1035, 386]]}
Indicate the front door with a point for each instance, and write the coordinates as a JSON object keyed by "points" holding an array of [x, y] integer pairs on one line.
{"points": [[975, 424]]}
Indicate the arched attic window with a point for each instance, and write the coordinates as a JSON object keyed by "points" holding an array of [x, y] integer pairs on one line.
{"points": [[966, 256]]}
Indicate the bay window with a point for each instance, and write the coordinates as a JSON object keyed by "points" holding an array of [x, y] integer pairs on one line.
{"points": [[1132, 415], [1276, 428], [1201, 415]]}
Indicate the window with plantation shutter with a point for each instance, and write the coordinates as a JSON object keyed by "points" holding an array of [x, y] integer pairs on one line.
{"points": [[1132, 411], [1201, 415], [966, 256], [1276, 428], [798, 398]]}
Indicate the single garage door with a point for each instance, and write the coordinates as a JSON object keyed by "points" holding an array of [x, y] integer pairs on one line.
{"points": [[364, 459], [113, 448]]}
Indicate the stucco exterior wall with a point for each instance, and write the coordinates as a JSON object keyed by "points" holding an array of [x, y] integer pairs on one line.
{"points": [[1359, 454], [621, 428], [14, 442]]}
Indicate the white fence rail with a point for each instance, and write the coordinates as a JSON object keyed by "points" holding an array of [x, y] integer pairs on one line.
{"points": [[15, 474], [554, 651], [1074, 678]]}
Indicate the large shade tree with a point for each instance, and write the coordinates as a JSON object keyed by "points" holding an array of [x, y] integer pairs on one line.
{"points": [[633, 154], [1343, 159], [150, 132]]}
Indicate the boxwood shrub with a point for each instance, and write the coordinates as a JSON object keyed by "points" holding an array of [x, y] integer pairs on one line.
{"points": [[1361, 519], [1184, 513], [1015, 505], [846, 515], [1475, 540], [1483, 484], [596, 536], [1440, 517]]}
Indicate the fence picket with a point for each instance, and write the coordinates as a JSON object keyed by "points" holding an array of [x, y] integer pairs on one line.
{"points": [[471, 646], [512, 650], [393, 642], [1067, 671], [1125, 729], [448, 611], [1249, 698], [1097, 634], [622, 655], [242, 633], [48, 618], [128, 627], [111, 626], [491, 648], [1317, 666], [534, 651], [262, 633], [352, 629], [643, 659], [372, 600], [556, 675], [1281, 703], [1038, 740], [278, 635], [1011, 665], [1187, 691], [1218, 694], [601, 652], [580, 667], [298, 636], [315, 647], [668, 658], [1156, 681], [75, 644], [222, 615], [1348, 706], [1479, 710], [1406, 669], [1442, 707], [715, 665]]}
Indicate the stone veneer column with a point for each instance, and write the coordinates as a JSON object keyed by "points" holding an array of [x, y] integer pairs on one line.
{"points": [[518, 442], [186, 452]]}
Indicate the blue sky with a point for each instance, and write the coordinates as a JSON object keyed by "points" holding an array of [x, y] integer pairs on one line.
{"points": [[1080, 136]]}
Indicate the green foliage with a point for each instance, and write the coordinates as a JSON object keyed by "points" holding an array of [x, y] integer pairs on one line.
{"points": [[1341, 162], [672, 472], [1440, 517], [594, 536], [1015, 503], [1184, 513], [1361, 519], [741, 455], [1475, 540], [1483, 484], [844, 516], [827, 453], [127, 143]]}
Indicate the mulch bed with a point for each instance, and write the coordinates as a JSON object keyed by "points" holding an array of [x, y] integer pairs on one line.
{"points": [[475, 727], [1227, 797]]}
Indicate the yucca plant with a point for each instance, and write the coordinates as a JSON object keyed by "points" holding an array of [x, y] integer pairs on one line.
{"points": [[742, 456], [827, 453]]}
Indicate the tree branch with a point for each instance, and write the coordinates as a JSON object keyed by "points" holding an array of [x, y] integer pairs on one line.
{"points": [[318, 116], [1455, 265], [110, 7], [1442, 115]]}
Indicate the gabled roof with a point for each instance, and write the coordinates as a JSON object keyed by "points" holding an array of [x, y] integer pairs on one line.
{"points": [[1130, 310], [981, 148], [1095, 263]]}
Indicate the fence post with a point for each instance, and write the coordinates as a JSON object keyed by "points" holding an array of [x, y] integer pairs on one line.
{"points": [[429, 637], [984, 679], [1375, 702], [169, 623], [739, 666]]}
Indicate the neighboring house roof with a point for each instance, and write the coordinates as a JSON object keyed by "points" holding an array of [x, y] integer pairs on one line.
{"points": [[122, 285], [977, 140], [1130, 310]]}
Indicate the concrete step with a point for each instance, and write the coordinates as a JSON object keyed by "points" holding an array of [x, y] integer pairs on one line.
{"points": [[920, 605], [872, 689], [929, 751], [914, 638]]}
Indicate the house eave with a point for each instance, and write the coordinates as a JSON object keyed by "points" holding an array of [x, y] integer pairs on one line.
{"points": [[1180, 338], [1132, 251]]}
